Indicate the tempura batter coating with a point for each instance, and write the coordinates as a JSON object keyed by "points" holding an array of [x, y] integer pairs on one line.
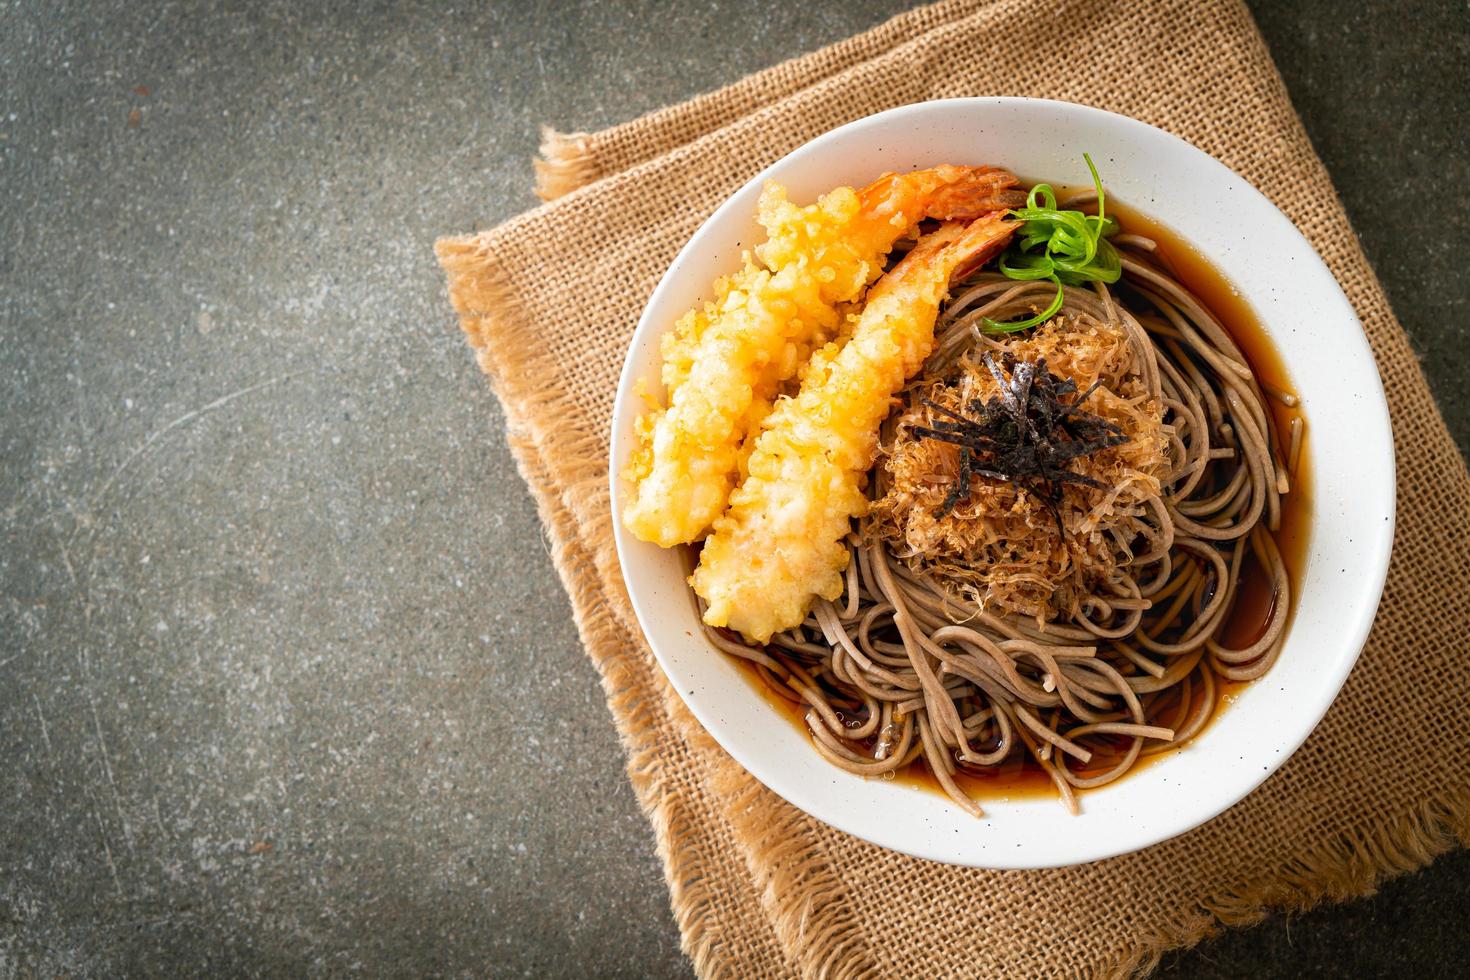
{"points": [[780, 544], [724, 363]]}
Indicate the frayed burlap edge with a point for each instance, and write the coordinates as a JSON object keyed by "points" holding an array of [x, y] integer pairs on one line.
{"points": [[489, 314], [569, 161], [804, 899], [636, 717], [794, 885], [476, 290], [693, 906], [565, 164], [1347, 867]]}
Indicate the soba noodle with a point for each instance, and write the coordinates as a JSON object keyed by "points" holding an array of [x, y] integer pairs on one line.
{"points": [[900, 668]]}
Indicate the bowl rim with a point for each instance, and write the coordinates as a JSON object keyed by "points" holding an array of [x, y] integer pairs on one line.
{"points": [[1361, 612]]}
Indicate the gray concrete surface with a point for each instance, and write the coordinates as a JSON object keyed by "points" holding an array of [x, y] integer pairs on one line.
{"points": [[287, 685]]}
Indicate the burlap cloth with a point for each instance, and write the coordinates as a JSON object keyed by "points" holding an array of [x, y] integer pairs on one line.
{"points": [[549, 300]]}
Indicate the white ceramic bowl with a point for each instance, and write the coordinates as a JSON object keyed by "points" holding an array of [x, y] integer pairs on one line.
{"points": [[1351, 457]]}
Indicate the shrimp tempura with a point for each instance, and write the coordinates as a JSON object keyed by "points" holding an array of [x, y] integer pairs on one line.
{"points": [[723, 364], [781, 543]]}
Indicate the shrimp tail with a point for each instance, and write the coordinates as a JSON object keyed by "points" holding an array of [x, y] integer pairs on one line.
{"points": [[947, 193], [981, 241]]}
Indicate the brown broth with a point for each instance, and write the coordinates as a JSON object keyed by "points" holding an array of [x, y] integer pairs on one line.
{"points": [[1220, 297], [1019, 778]]}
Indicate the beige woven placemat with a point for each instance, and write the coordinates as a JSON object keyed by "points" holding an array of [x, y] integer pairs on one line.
{"points": [[549, 301]]}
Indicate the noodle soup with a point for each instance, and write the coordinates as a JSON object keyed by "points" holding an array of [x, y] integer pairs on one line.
{"points": [[1018, 777], [1330, 597], [848, 675]]}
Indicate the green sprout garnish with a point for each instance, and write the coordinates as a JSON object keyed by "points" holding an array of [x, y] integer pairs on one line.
{"points": [[1065, 247]]}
